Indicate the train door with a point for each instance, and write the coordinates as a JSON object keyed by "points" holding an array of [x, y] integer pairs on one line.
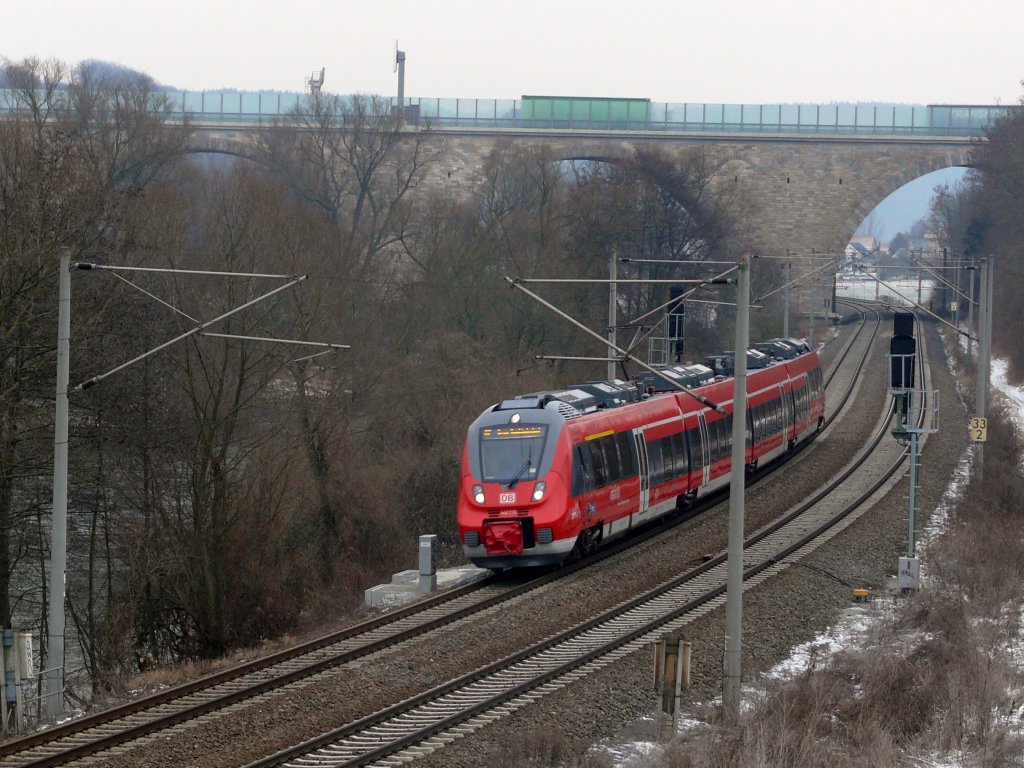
{"points": [[702, 426], [644, 469], [786, 399]]}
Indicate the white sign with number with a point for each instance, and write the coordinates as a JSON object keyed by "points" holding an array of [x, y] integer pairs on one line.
{"points": [[979, 429]]}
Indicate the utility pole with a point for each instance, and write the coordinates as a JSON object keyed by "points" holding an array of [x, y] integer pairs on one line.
{"points": [[785, 316], [53, 675], [734, 579], [981, 370], [613, 290], [810, 319], [970, 307], [945, 286], [400, 68]]}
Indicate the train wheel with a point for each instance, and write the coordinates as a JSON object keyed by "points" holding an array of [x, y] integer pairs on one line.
{"points": [[586, 543], [685, 502]]}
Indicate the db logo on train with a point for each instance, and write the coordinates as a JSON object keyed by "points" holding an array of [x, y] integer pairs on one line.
{"points": [[507, 498]]}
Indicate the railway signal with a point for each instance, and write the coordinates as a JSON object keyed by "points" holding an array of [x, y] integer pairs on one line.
{"points": [[916, 414]]}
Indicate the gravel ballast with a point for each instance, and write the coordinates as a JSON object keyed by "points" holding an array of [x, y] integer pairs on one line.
{"points": [[779, 614]]}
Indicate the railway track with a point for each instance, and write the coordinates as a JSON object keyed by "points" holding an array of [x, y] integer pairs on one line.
{"points": [[456, 709], [106, 730]]}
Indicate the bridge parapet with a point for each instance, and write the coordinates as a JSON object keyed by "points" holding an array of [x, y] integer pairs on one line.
{"points": [[253, 109]]}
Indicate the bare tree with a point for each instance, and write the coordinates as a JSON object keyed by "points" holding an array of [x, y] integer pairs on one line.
{"points": [[351, 158], [995, 199], [74, 159]]}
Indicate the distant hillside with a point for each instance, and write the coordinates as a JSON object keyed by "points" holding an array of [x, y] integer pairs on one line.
{"points": [[108, 71]]}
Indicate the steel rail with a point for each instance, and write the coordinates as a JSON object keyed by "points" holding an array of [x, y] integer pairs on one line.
{"points": [[114, 734], [347, 746]]}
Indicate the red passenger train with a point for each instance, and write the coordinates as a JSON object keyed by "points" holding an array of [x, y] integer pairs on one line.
{"points": [[551, 475]]}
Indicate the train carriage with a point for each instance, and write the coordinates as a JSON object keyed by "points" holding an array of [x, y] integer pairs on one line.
{"points": [[551, 475]]}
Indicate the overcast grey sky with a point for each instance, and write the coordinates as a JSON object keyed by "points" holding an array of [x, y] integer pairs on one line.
{"points": [[914, 51]]}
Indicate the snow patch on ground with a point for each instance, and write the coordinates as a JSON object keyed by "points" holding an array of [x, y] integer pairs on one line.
{"points": [[853, 630]]}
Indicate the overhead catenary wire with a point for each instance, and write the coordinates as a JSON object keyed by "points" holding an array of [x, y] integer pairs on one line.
{"points": [[156, 298], [910, 301], [606, 280], [685, 297], [96, 379], [329, 347], [515, 283], [800, 279], [89, 265], [933, 270]]}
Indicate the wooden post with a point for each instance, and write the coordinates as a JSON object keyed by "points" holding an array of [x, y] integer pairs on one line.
{"points": [[671, 676]]}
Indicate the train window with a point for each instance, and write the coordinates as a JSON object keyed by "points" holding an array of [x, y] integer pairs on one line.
{"points": [[669, 457], [600, 466], [679, 449], [511, 452], [814, 375], [686, 448], [696, 451], [713, 440], [582, 473], [657, 466], [627, 453], [611, 457], [724, 435]]}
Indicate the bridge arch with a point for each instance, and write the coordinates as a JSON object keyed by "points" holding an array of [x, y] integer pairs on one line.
{"points": [[805, 192], [899, 179], [222, 143]]}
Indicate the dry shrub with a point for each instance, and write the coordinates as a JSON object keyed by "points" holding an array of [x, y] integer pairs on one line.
{"points": [[935, 679], [168, 677], [674, 756], [372, 544], [539, 748]]}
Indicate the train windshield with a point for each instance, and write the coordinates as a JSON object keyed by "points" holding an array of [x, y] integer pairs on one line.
{"points": [[511, 453]]}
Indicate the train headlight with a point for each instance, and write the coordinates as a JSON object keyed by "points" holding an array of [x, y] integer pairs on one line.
{"points": [[538, 490], [478, 494]]}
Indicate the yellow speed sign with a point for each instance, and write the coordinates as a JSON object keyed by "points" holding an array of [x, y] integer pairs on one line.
{"points": [[979, 429]]}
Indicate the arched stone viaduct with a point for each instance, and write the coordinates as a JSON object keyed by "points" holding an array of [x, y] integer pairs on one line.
{"points": [[805, 191]]}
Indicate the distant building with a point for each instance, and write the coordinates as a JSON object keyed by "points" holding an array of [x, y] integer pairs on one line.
{"points": [[868, 242], [856, 251]]}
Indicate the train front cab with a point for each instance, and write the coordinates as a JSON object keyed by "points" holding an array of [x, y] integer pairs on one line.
{"points": [[515, 482]]}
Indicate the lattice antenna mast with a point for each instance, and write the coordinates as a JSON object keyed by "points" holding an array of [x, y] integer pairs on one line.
{"points": [[315, 83]]}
